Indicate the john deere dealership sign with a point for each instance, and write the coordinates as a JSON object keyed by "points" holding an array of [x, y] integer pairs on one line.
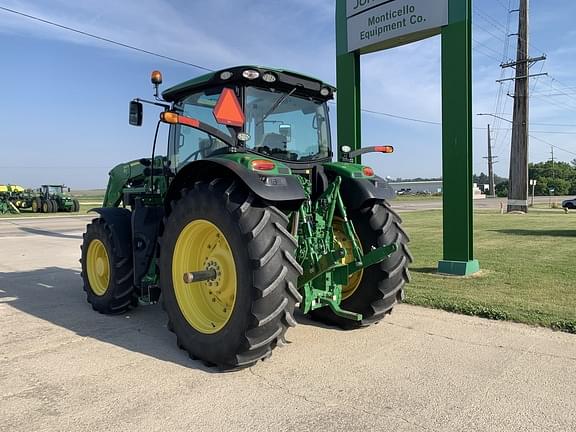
{"points": [[393, 22]]}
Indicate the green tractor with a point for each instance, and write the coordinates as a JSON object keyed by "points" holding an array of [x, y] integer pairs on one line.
{"points": [[246, 219], [53, 199]]}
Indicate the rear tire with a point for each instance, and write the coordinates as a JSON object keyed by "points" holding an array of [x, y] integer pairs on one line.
{"points": [[46, 206], [75, 206], [382, 285], [36, 205], [108, 277], [54, 206], [265, 278]]}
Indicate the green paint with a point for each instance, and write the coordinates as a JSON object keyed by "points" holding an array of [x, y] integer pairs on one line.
{"points": [[456, 119], [457, 141], [245, 159], [347, 170], [348, 84], [458, 268], [324, 274]]}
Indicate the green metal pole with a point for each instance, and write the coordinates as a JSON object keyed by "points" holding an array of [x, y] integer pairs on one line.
{"points": [[457, 141], [348, 84]]}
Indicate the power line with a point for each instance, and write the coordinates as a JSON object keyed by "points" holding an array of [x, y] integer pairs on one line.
{"points": [[490, 20], [552, 145], [103, 39]]}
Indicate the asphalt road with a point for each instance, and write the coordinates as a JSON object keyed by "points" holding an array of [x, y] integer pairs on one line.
{"points": [[64, 367], [479, 204]]}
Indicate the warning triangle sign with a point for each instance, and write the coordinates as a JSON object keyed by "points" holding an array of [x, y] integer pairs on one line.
{"points": [[228, 110]]}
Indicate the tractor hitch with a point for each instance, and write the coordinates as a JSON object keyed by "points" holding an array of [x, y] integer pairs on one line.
{"points": [[373, 257], [199, 276]]}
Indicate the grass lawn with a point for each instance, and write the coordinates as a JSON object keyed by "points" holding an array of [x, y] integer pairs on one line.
{"points": [[528, 267]]}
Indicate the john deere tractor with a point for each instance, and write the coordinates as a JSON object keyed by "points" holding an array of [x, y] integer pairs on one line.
{"points": [[53, 199], [245, 219]]}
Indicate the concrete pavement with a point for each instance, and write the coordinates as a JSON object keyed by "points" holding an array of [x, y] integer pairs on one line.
{"points": [[64, 367]]}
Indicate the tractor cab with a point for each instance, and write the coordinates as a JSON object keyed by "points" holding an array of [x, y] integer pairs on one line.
{"points": [[278, 114], [52, 190]]}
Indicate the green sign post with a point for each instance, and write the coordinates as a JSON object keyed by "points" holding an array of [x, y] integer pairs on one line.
{"points": [[365, 26]]}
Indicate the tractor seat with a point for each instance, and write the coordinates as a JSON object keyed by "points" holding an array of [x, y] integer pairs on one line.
{"points": [[275, 141]]}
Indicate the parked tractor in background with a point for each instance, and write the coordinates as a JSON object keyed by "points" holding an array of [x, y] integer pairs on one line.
{"points": [[54, 198], [245, 219]]}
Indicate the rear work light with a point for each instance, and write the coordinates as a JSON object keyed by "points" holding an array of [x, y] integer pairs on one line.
{"points": [[251, 74], [226, 75], [262, 165], [269, 77]]}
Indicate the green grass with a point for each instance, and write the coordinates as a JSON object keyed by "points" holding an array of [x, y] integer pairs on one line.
{"points": [[84, 207], [528, 267]]}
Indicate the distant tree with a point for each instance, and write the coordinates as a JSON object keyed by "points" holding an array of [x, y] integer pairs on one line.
{"points": [[481, 179], [559, 176], [418, 179], [502, 189], [484, 179]]}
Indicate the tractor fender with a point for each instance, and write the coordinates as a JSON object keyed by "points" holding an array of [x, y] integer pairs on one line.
{"points": [[355, 191], [119, 220], [284, 189]]}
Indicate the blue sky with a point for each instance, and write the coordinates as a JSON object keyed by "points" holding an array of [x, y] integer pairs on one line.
{"points": [[65, 97]]}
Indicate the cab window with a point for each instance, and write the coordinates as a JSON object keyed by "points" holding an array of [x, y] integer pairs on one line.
{"points": [[189, 144]]}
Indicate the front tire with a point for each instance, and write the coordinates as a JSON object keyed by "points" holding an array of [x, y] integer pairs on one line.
{"points": [[382, 285], [107, 276], [238, 318]]}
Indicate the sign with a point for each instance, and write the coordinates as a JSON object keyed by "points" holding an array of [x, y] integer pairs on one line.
{"points": [[379, 23], [354, 7]]}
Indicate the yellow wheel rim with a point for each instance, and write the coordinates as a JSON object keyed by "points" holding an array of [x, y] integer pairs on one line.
{"points": [[345, 242], [98, 267], [206, 305]]}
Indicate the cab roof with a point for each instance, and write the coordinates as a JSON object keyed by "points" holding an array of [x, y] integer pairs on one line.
{"points": [[288, 79]]}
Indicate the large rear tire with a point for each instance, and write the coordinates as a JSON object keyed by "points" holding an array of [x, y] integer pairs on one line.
{"points": [[75, 206], [36, 205], [107, 276], [381, 286], [46, 206], [54, 205], [240, 317]]}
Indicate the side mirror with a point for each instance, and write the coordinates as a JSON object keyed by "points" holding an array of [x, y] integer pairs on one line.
{"points": [[286, 130], [68, 189], [135, 118]]}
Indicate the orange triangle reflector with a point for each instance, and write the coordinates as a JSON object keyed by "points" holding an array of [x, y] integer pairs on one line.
{"points": [[228, 110]]}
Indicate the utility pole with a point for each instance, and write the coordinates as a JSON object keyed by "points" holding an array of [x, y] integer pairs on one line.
{"points": [[518, 179], [491, 162], [552, 159]]}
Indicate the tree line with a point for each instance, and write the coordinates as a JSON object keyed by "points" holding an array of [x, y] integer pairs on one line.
{"points": [[552, 178]]}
